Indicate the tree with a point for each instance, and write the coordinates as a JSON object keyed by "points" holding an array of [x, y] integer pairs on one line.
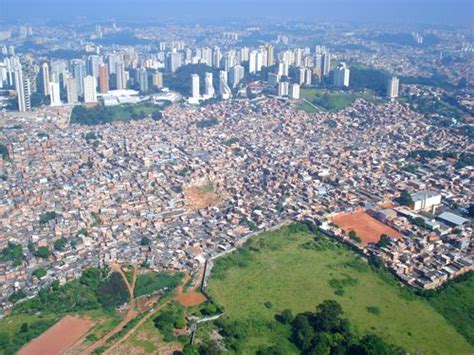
{"points": [[24, 328], [156, 115], [286, 317], [372, 344], [39, 273], [60, 244], [404, 199], [42, 252], [190, 349], [145, 241], [470, 210], [353, 235], [384, 241], [303, 332]]}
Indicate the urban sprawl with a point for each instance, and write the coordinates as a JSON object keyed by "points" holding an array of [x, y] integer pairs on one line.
{"points": [[231, 155]]}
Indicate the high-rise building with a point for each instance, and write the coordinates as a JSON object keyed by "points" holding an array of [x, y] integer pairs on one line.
{"points": [[236, 75], [273, 78], [253, 62], [283, 88], [113, 60], [104, 78], [158, 80], [93, 65], [90, 89], [143, 80], [55, 93], [216, 57], [195, 86], [224, 90], [44, 79], [393, 87], [295, 91], [71, 90], [121, 77], [270, 56], [301, 76], [341, 75], [326, 64], [23, 89], [209, 90], [79, 72], [261, 60], [174, 61], [206, 56], [244, 54]]}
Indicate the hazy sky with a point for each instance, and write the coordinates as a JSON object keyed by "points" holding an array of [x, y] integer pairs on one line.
{"points": [[394, 11]]}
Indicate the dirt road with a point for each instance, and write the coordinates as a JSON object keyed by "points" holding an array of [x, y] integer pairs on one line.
{"points": [[131, 312]]}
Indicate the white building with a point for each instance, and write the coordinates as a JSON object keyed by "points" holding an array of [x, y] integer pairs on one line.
{"points": [[295, 92], [224, 90], [90, 89], [23, 89], [44, 76], [209, 90], [253, 62], [195, 86], [55, 94], [71, 90], [341, 75], [393, 87], [236, 75], [283, 88], [121, 76], [425, 200]]}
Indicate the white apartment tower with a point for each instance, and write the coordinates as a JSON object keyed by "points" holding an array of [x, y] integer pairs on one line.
{"points": [[341, 75], [195, 86], [393, 87], [90, 89]]}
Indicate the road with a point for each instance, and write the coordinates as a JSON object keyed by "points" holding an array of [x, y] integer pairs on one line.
{"points": [[131, 311], [151, 312]]}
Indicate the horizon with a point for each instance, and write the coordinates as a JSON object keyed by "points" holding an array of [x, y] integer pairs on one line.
{"points": [[439, 12]]}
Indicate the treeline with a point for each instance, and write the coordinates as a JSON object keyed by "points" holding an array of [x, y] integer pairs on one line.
{"points": [[106, 114], [94, 290]]}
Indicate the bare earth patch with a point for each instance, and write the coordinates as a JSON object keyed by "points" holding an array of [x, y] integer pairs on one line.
{"points": [[191, 299], [367, 228], [202, 195], [60, 337]]}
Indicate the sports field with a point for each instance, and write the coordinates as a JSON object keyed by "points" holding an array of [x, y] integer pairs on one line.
{"points": [[296, 270], [60, 337], [367, 227]]}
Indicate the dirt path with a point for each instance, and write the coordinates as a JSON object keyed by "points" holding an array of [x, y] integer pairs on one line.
{"points": [[131, 312], [151, 312]]}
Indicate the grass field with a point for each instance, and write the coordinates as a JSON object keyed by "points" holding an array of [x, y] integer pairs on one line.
{"points": [[288, 269], [331, 101]]}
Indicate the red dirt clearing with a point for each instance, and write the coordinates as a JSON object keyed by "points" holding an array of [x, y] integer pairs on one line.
{"points": [[191, 299], [367, 228], [59, 337]]}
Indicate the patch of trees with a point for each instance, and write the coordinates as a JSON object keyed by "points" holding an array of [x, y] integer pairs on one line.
{"points": [[353, 235], [46, 217], [11, 343], [369, 78], [406, 39], [60, 244], [207, 123], [106, 114], [4, 152], [13, 252], [404, 199], [155, 281], [327, 332], [171, 317], [180, 81], [94, 290]]}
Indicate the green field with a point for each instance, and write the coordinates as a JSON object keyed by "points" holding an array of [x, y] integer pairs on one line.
{"points": [[105, 114], [331, 101], [288, 269]]}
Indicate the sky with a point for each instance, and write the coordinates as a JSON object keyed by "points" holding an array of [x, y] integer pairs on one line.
{"points": [[444, 12]]}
